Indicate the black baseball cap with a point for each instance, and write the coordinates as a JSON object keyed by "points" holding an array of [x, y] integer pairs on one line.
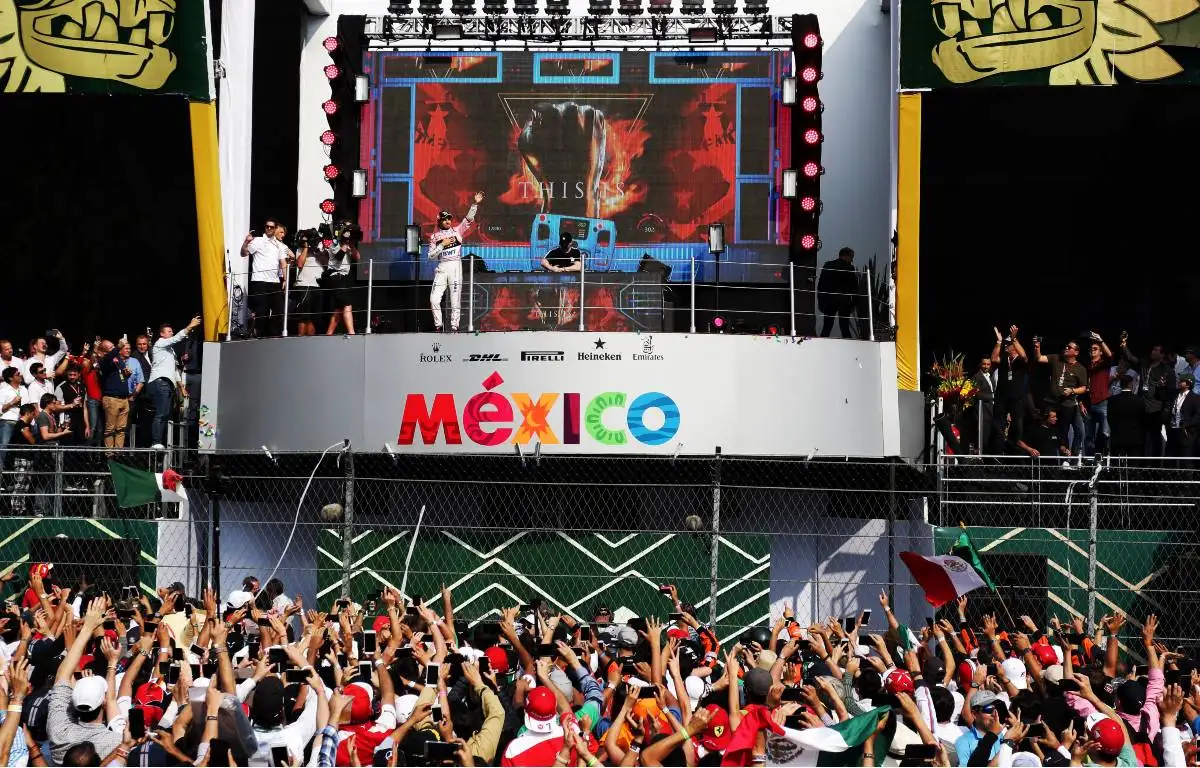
{"points": [[565, 238], [444, 215]]}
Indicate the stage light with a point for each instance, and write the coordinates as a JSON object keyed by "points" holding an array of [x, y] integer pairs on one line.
{"points": [[811, 40], [812, 170], [362, 88], [429, 7], [808, 242], [755, 7], [691, 7], [333, 71], [629, 7], [787, 91], [790, 183], [525, 7], [718, 322], [462, 7], [724, 7], [328, 207], [358, 183], [812, 136], [399, 9], [600, 8], [702, 35], [412, 240], [331, 44], [772, 330], [716, 238], [447, 31], [660, 7], [495, 7], [808, 204], [557, 7], [328, 138], [330, 107], [332, 172], [810, 103], [810, 75]]}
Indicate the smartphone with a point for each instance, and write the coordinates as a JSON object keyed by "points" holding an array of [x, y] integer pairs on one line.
{"points": [[546, 651], [364, 670], [277, 655], [485, 665], [263, 621], [411, 611], [929, 621], [920, 752], [343, 603], [628, 668], [280, 757], [665, 589], [197, 650], [674, 617], [436, 714], [1036, 731], [173, 674], [791, 694], [849, 623], [460, 627], [586, 633], [137, 722], [1070, 685], [866, 617], [432, 674], [368, 641], [1171, 676], [647, 692], [110, 625], [209, 670], [525, 609], [637, 624], [125, 613], [438, 752], [795, 722], [177, 654], [406, 653], [1074, 638], [196, 675], [218, 752], [1141, 670], [163, 668], [341, 660], [295, 675], [129, 593], [253, 647], [150, 627]]}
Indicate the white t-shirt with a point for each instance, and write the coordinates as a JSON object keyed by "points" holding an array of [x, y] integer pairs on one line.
{"points": [[7, 393], [311, 272], [38, 388], [265, 255]]}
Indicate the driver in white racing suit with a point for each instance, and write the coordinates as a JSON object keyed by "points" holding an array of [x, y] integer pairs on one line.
{"points": [[445, 245]]}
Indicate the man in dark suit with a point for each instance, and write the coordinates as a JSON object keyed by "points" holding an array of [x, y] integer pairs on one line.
{"points": [[1184, 421], [1126, 416], [837, 289], [985, 402]]}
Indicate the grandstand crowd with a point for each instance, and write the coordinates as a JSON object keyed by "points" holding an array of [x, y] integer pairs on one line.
{"points": [[258, 678]]}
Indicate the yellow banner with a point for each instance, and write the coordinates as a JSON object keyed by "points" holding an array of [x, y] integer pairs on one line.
{"points": [[908, 349]]}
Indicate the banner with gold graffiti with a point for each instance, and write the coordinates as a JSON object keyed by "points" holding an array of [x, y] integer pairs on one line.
{"points": [[1048, 42], [105, 46]]}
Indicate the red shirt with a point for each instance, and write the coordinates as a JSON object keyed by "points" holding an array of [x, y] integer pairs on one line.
{"points": [[1098, 379], [534, 749]]}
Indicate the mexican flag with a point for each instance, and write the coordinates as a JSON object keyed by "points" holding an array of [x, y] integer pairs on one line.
{"points": [[830, 743], [943, 577], [135, 487], [963, 548]]}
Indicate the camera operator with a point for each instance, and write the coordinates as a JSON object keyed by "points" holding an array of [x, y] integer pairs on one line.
{"points": [[37, 354], [338, 281], [268, 273], [307, 304]]}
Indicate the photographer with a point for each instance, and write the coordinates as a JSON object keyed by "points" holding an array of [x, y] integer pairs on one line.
{"points": [[338, 282], [307, 303], [163, 375], [37, 354]]}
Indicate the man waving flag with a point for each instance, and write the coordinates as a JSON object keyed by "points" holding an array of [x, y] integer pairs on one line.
{"points": [[136, 487]]}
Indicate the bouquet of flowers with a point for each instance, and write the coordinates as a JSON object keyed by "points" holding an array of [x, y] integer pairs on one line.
{"points": [[952, 385]]}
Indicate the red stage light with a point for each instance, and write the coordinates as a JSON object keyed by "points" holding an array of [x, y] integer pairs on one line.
{"points": [[330, 106], [808, 242], [812, 136], [331, 44], [772, 330], [811, 170], [808, 204], [328, 138], [811, 40], [332, 172], [326, 244], [810, 104], [718, 322], [333, 71], [808, 74], [328, 206]]}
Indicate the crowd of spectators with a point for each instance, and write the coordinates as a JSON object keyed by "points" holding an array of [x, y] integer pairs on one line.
{"points": [[1086, 398], [99, 393], [124, 678]]}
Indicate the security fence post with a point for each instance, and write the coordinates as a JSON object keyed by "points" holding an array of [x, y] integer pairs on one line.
{"points": [[347, 519], [716, 534]]}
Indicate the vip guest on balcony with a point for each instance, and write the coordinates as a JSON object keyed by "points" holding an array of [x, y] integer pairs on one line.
{"points": [[163, 375]]}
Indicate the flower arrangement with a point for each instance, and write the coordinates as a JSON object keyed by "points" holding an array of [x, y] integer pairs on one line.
{"points": [[952, 384]]}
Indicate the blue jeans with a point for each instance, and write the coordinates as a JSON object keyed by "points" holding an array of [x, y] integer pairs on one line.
{"points": [[96, 419], [1070, 417], [7, 430], [1097, 422], [161, 393]]}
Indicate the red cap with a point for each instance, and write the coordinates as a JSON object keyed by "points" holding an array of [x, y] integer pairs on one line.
{"points": [[149, 694], [381, 623], [360, 702], [899, 681], [1045, 655], [1110, 735], [540, 703], [717, 735], [498, 659]]}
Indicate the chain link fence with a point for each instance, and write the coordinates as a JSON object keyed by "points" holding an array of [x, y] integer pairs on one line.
{"points": [[741, 538]]}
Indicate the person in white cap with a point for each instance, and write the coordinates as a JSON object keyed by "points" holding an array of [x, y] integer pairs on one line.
{"points": [[445, 245], [76, 714]]}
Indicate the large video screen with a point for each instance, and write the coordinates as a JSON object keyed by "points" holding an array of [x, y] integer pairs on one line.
{"points": [[633, 153]]}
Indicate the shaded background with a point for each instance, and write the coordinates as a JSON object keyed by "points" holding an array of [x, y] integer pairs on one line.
{"points": [[1060, 210]]}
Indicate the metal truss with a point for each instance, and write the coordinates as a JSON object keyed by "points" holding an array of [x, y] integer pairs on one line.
{"points": [[384, 32]]}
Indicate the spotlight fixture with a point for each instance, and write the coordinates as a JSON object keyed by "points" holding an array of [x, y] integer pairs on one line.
{"points": [[790, 183], [787, 91], [362, 88], [328, 138], [703, 35], [659, 7], [600, 8], [802, 182], [716, 238], [330, 107], [718, 323], [525, 7], [333, 71], [332, 172], [495, 7], [724, 7], [412, 240], [557, 7], [358, 183], [429, 7], [462, 7], [755, 7], [629, 7], [328, 206], [447, 31], [399, 8], [331, 44], [691, 7]]}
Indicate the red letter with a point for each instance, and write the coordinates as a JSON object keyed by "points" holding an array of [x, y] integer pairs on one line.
{"points": [[442, 414], [571, 418]]}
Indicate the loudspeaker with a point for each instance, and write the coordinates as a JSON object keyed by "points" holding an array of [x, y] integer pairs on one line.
{"points": [[108, 563]]}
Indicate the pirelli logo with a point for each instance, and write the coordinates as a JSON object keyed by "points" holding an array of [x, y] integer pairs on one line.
{"points": [[543, 356]]}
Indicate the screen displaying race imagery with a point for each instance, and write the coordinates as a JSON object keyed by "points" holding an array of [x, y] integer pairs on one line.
{"points": [[632, 153]]}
